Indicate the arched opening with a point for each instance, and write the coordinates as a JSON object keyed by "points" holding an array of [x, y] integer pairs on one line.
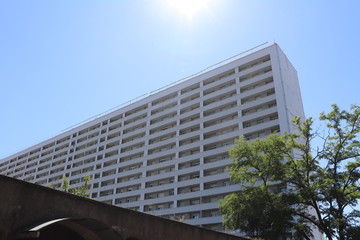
{"points": [[57, 232], [70, 229]]}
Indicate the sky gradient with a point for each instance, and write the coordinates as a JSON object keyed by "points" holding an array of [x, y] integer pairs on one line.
{"points": [[62, 62]]}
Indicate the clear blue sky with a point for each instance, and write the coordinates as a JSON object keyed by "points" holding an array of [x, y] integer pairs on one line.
{"points": [[62, 62]]}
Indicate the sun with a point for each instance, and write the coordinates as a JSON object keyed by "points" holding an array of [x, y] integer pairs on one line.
{"points": [[189, 7]]}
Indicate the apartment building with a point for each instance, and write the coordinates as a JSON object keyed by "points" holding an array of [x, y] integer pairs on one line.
{"points": [[166, 154]]}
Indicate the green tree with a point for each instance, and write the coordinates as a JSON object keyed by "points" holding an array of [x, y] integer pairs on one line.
{"points": [[288, 188], [82, 191]]}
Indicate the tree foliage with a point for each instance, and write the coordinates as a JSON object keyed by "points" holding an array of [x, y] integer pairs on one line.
{"points": [[288, 187], [82, 191]]}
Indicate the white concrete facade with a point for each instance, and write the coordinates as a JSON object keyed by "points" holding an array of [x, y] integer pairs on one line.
{"points": [[166, 154]]}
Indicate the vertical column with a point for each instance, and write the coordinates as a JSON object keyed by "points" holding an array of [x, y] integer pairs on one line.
{"points": [[238, 94], [145, 153], [177, 135], [201, 172]]}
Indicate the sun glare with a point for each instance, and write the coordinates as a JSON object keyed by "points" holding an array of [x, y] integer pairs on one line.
{"points": [[189, 7]]}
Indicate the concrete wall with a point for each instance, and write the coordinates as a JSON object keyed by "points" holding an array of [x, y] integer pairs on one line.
{"points": [[23, 205]]}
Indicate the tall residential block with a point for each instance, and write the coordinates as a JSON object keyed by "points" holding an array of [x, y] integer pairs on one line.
{"points": [[167, 154]]}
